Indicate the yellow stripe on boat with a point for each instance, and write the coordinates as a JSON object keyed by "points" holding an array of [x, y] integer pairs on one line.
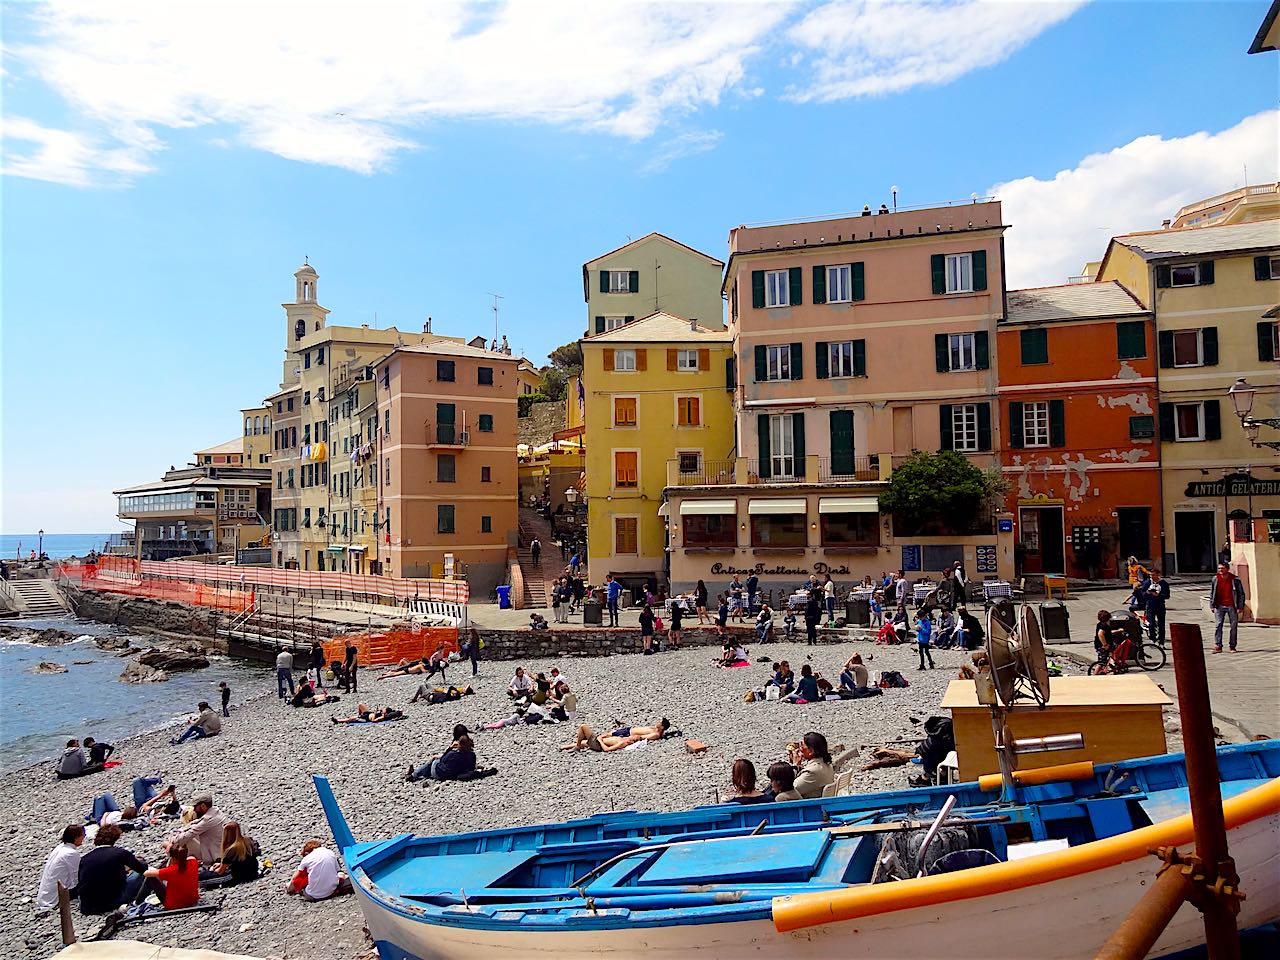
{"points": [[812, 909]]}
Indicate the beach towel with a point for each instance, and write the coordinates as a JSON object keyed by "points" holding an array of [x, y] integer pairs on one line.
{"points": [[371, 723], [736, 664], [112, 763]]}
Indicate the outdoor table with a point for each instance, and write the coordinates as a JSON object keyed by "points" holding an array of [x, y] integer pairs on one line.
{"points": [[921, 590], [687, 604], [994, 589]]}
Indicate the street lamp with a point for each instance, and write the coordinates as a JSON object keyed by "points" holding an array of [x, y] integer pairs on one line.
{"points": [[40, 543], [571, 496], [1241, 394]]}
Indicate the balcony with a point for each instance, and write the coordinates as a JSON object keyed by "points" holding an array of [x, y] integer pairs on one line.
{"points": [[707, 473], [849, 469], [446, 435], [786, 469]]}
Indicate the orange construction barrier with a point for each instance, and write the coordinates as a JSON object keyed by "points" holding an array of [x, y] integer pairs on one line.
{"points": [[392, 646]]}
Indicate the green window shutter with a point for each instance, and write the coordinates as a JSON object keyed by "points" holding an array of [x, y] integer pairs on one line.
{"points": [[797, 442], [1262, 268], [1206, 272], [1266, 346], [762, 364], [1164, 276], [795, 277], [1209, 340], [1165, 339], [599, 324], [819, 284], [797, 361], [859, 358], [1015, 425], [979, 269], [730, 373], [1131, 340], [859, 273], [762, 432], [984, 426], [604, 281], [444, 413], [1057, 423], [1212, 420], [941, 353], [1166, 422], [982, 350], [757, 289], [938, 266], [841, 442], [822, 360], [1035, 346], [944, 427]]}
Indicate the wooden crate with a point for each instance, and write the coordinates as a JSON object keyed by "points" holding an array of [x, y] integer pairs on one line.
{"points": [[1120, 717]]}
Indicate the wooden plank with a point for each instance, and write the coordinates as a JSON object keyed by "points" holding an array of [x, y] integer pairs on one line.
{"points": [[1128, 689]]}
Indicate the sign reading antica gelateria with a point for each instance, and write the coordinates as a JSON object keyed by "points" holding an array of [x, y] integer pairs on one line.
{"points": [[1236, 485], [760, 570]]}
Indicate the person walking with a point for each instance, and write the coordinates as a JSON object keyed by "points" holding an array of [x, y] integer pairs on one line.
{"points": [[351, 667], [700, 597], [829, 598], [535, 550], [1226, 600], [284, 672], [1155, 596], [924, 634], [225, 690], [812, 614], [613, 591], [317, 663], [753, 587]]}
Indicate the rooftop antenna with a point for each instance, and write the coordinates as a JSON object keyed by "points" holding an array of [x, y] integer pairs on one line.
{"points": [[894, 191], [656, 267], [496, 298]]}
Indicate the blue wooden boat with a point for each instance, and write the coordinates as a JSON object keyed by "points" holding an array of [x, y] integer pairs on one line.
{"points": [[796, 878]]}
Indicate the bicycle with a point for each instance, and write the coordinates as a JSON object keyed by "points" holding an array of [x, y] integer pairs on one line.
{"points": [[1148, 656]]}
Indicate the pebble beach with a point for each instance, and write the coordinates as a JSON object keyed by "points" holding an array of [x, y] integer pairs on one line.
{"points": [[258, 771]]}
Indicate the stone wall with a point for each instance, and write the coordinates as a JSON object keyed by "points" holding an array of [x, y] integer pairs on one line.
{"points": [[610, 641]]}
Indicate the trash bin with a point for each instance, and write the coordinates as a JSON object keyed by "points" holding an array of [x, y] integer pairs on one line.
{"points": [[624, 602], [592, 614], [1054, 618], [504, 597], [857, 612]]}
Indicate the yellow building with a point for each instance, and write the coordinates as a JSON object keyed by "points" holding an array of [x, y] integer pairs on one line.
{"points": [[257, 435], [657, 390], [651, 275], [1210, 288]]}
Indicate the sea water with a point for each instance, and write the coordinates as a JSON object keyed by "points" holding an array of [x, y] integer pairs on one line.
{"points": [[41, 712], [56, 545]]}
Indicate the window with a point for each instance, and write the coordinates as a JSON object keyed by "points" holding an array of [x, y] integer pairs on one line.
{"points": [[624, 411], [840, 360], [687, 360], [1131, 340], [626, 469], [306, 516], [613, 323], [306, 360], [289, 404], [1269, 341], [444, 371], [777, 288], [306, 398], [386, 423], [963, 356], [850, 529], [964, 427], [713, 530], [688, 412], [386, 472], [690, 462], [1035, 424], [959, 273], [484, 423], [1187, 350], [1184, 275], [1142, 427], [486, 523], [246, 426], [779, 530], [486, 474], [446, 468], [782, 460], [1035, 346], [484, 376], [626, 535], [444, 518], [280, 406], [619, 281], [778, 362], [624, 360], [1188, 421], [839, 284], [319, 355]]}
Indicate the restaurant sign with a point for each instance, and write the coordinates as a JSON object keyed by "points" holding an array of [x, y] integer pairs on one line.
{"points": [[1235, 485], [760, 570]]}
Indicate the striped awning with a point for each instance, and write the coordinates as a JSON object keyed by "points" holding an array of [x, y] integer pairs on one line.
{"points": [[848, 505], [765, 507], [708, 507]]}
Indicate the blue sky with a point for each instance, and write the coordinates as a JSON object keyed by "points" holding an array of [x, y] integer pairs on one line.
{"points": [[167, 168]]}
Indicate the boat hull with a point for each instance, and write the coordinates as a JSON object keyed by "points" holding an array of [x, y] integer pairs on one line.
{"points": [[1066, 918]]}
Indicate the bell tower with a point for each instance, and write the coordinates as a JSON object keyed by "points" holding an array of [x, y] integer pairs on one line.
{"points": [[303, 317]]}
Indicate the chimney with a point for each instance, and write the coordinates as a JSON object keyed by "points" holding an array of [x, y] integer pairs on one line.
{"points": [[1165, 224], [426, 327], [693, 326]]}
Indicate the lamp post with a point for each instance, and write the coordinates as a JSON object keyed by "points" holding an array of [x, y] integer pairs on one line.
{"points": [[1241, 394], [40, 543]]}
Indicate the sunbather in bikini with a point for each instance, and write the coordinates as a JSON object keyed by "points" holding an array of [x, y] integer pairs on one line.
{"points": [[618, 739], [365, 715]]}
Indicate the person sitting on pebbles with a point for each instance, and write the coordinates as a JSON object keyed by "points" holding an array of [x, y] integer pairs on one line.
{"points": [[207, 724], [618, 739], [456, 763], [520, 686], [203, 836], [307, 696], [732, 654], [318, 877]]}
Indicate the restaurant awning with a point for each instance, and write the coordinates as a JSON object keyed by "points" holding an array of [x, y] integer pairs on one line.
{"points": [[664, 510], [764, 507], [708, 507], [848, 505]]}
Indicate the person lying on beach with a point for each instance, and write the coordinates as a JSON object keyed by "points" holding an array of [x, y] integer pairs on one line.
{"points": [[237, 862], [107, 810], [428, 665], [74, 762], [618, 739], [454, 764], [206, 724], [743, 778], [364, 715], [318, 877], [534, 713], [308, 696], [439, 694]]}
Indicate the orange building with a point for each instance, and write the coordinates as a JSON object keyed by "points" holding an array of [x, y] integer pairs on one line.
{"points": [[1078, 412], [447, 477]]}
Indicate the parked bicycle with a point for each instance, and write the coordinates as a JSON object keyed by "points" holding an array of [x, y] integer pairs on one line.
{"points": [[1148, 656]]}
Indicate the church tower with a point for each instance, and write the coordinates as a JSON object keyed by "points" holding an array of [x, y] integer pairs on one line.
{"points": [[303, 318]]}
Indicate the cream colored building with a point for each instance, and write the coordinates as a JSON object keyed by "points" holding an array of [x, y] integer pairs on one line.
{"points": [[256, 445]]}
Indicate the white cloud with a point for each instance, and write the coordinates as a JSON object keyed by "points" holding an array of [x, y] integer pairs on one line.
{"points": [[876, 47], [684, 145], [39, 153], [1060, 224]]}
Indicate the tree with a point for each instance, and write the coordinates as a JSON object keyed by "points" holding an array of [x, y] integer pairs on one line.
{"points": [[567, 358], [941, 494], [553, 383]]}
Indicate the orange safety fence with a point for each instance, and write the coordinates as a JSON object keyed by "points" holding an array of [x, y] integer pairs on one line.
{"points": [[392, 646], [233, 599]]}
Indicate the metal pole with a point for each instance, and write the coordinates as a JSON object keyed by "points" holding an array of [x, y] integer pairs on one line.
{"points": [[1203, 781], [1142, 927]]}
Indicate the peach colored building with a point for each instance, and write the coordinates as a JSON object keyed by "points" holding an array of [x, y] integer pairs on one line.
{"points": [[446, 472]]}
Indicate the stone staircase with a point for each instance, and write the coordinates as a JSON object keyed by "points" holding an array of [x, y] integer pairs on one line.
{"points": [[38, 598], [535, 577]]}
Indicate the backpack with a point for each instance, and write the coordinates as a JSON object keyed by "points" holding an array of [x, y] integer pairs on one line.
{"points": [[892, 678]]}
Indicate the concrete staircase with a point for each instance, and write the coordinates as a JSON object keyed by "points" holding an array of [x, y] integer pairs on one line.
{"points": [[535, 577], [38, 598]]}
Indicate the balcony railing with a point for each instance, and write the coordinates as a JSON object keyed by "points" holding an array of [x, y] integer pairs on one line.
{"points": [[446, 435], [707, 473], [778, 470], [848, 469]]}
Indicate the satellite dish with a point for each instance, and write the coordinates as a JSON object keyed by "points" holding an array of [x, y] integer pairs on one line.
{"points": [[1000, 654], [1034, 666]]}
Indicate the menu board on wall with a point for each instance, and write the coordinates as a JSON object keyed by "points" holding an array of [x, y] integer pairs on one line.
{"points": [[986, 559], [911, 557]]}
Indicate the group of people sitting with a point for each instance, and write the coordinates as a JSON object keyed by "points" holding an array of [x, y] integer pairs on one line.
{"points": [[540, 699], [80, 761], [811, 686], [806, 772], [935, 627]]}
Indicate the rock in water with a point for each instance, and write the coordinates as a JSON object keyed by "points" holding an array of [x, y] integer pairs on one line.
{"points": [[49, 637], [138, 672], [112, 642], [173, 659], [45, 667]]}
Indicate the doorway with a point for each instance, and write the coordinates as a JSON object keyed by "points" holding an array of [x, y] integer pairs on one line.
{"points": [[1042, 540], [1135, 533], [1195, 541]]}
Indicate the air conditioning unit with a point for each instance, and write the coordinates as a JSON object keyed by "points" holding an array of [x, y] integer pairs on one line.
{"points": [[464, 437]]}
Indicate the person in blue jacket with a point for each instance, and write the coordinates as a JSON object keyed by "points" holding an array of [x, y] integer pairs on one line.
{"points": [[924, 634], [613, 591], [1155, 592]]}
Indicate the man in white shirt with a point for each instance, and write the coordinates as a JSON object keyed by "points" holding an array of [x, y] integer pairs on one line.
{"points": [[284, 672], [318, 877], [520, 685], [62, 866]]}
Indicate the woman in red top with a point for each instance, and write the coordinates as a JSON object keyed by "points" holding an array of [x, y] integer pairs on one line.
{"points": [[181, 879]]}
